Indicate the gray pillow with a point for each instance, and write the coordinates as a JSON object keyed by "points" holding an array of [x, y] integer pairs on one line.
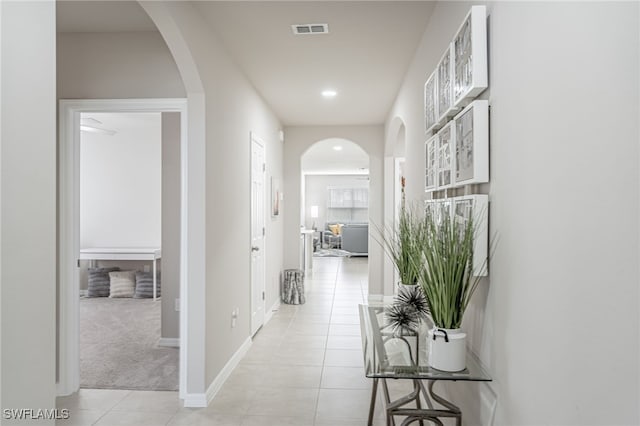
{"points": [[99, 282], [144, 285]]}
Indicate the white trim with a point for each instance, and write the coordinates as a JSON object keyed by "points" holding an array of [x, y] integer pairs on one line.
{"points": [[195, 400], [274, 308], [482, 397], [69, 249], [169, 342], [226, 371], [380, 298], [375, 298], [69, 241], [266, 212]]}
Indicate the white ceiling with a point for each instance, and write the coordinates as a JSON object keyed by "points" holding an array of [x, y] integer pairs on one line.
{"points": [[364, 57], [323, 159]]}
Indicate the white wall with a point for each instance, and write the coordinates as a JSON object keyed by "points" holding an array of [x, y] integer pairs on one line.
{"points": [[232, 111], [28, 206], [315, 190], [120, 181], [116, 66], [557, 321], [297, 141]]}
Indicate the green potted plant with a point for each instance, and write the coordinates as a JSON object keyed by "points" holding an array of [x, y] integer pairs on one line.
{"points": [[402, 243], [448, 281]]}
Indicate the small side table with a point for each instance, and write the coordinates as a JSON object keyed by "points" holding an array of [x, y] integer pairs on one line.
{"points": [[293, 291]]}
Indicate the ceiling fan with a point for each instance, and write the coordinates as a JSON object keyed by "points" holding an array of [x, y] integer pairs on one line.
{"points": [[88, 124]]}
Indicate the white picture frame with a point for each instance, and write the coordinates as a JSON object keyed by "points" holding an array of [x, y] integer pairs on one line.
{"points": [[439, 207], [476, 206], [431, 102], [431, 164], [444, 70], [275, 197], [470, 73], [471, 159], [446, 142], [460, 209]]}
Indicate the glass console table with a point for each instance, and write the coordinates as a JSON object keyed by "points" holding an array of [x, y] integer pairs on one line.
{"points": [[389, 355]]}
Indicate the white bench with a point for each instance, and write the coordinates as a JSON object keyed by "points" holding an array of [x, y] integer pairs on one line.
{"points": [[124, 253]]}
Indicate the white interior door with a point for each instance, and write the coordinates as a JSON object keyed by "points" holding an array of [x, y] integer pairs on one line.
{"points": [[257, 235]]}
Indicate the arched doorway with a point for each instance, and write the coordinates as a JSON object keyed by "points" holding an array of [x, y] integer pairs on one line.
{"points": [[335, 197], [394, 174], [297, 141]]}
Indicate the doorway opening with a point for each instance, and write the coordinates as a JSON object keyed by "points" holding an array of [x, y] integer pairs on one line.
{"points": [[395, 179], [335, 199], [76, 212], [129, 245]]}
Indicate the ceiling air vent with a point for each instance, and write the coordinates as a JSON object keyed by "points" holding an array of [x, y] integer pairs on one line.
{"points": [[310, 28]]}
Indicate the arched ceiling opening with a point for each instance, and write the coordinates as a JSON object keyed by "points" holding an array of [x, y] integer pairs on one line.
{"points": [[335, 156]]}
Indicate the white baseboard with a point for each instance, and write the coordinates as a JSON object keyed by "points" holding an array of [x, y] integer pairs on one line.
{"points": [[478, 400], [169, 342], [375, 298], [269, 314], [224, 374], [379, 298], [61, 390], [195, 400]]}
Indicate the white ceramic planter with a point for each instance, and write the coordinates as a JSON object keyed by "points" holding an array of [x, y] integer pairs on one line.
{"points": [[401, 287], [447, 349]]}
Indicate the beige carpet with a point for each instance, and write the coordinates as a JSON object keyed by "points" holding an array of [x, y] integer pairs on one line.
{"points": [[118, 346]]}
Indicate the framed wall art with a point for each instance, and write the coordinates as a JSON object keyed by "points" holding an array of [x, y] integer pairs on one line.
{"points": [[470, 76], [471, 160], [431, 152], [439, 208], [429, 208], [444, 209], [445, 142], [476, 207], [431, 102], [275, 197], [445, 87], [459, 210]]}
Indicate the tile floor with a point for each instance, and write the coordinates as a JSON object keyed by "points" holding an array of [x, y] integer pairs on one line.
{"points": [[304, 368]]}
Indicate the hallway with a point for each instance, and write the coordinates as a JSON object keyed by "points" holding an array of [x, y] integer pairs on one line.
{"points": [[304, 368]]}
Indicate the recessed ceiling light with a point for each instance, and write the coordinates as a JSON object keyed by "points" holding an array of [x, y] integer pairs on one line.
{"points": [[329, 93], [337, 148]]}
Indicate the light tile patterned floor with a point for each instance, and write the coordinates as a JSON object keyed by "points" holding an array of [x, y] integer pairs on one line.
{"points": [[304, 368]]}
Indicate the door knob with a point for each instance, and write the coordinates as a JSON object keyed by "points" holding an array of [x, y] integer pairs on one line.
{"points": [[254, 248]]}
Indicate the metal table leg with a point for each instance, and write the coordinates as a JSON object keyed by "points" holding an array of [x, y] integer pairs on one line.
{"points": [[419, 414], [372, 405], [154, 279]]}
